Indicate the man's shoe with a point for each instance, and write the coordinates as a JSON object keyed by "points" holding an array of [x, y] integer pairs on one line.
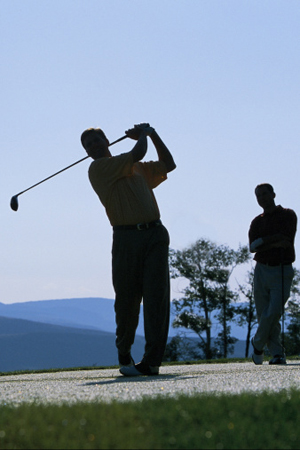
{"points": [[257, 359], [278, 360], [257, 355], [125, 360], [139, 369]]}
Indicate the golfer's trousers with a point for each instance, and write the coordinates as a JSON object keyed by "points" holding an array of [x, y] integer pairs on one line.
{"points": [[270, 299], [141, 272]]}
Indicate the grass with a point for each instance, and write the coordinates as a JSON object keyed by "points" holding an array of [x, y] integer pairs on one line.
{"points": [[269, 421], [246, 421]]}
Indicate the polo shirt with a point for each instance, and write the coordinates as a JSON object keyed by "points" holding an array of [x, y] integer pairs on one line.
{"points": [[126, 188], [281, 220]]}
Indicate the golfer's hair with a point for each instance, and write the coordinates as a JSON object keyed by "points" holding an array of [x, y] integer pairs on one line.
{"points": [[266, 185], [92, 130]]}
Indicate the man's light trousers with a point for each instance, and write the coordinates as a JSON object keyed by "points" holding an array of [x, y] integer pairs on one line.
{"points": [[271, 292]]}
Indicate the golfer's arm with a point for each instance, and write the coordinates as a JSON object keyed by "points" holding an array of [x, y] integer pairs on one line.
{"points": [[140, 149], [162, 151], [268, 242]]}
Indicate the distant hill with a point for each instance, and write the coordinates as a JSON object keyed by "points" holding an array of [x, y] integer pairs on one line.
{"points": [[87, 313], [27, 345], [67, 333]]}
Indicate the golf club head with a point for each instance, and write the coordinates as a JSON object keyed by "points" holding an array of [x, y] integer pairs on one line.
{"points": [[14, 204]]}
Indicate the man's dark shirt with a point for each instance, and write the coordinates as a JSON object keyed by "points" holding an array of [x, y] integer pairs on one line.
{"points": [[282, 220]]}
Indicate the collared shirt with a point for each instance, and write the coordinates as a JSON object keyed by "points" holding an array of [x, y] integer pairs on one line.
{"points": [[126, 188], [281, 220]]}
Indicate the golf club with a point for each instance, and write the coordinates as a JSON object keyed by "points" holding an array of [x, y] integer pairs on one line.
{"points": [[282, 300], [14, 204]]}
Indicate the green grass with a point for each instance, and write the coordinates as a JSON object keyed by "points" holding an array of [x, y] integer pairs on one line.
{"points": [[247, 421], [269, 421]]}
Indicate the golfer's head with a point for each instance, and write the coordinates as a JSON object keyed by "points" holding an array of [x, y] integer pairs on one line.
{"points": [[265, 195], [95, 143]]}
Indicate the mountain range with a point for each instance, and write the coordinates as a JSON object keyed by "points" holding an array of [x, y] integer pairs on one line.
{"points": [[28, 345], [64, 333]]}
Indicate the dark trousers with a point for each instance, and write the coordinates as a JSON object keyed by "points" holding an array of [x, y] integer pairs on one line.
{"points": [[141, 272]]}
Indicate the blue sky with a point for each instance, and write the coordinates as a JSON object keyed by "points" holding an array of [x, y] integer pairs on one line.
{"points": [[217, 79]]}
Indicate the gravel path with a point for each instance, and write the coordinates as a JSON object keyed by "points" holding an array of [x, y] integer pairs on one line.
{"points": [[106, 385]]}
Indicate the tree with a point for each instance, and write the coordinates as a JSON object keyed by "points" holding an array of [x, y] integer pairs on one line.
{"points": [[208, 268], [292, 337], [246, 314], [181, 349]]}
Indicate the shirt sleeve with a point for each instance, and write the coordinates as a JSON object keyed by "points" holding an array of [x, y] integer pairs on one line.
{"points": [[291, 224], [253, 232], [155, 172]]}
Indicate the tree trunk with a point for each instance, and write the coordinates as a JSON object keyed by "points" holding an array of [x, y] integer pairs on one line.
{"points": [[225, 323], [208, 352], [249, 328]]}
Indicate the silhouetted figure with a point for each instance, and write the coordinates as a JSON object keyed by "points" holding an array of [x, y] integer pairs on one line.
{"points": [[140, 249], [271, 238]]}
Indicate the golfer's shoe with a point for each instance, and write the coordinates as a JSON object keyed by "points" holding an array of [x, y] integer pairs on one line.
{"points": [[278, 359], [125, 360], [257, 359], [257, 356], [139, 369]]}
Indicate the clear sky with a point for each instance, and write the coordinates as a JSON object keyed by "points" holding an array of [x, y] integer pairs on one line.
{"points": [[217, 79]]}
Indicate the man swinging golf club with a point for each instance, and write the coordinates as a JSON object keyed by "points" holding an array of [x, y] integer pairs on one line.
{"points": [[271, 238], [140, 268]]}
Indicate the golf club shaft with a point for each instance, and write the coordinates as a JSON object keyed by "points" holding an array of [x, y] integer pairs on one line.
{"points": [[66, 168], [282, 299]]}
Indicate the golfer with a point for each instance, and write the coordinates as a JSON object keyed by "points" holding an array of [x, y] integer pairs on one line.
{"points": [[271, 238], [140, 248]]}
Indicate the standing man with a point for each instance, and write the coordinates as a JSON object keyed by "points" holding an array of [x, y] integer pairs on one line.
{"points": [[140, 249], [271, 238]]}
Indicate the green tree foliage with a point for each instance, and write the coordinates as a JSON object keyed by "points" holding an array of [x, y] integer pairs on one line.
{"points": [[207, 267], [292, 337], [181, 348]]}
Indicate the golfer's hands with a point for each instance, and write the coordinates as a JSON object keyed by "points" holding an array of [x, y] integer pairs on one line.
{"points": [[142, 129]]}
